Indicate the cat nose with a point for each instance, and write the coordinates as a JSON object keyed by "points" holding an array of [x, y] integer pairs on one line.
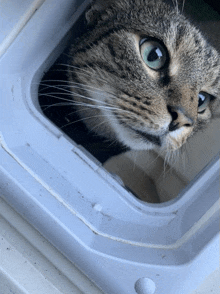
{"points": [[179, 119]]}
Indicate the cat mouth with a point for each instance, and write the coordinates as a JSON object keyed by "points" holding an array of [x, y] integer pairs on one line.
{"points": [[148, 138], [166, 140], [156, 140], [163, 141]]}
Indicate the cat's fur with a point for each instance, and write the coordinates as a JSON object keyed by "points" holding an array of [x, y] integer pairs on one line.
{"points": [[120, 97]]}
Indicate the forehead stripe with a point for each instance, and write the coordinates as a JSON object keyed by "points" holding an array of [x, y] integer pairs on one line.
{"points": [[96, 40]]}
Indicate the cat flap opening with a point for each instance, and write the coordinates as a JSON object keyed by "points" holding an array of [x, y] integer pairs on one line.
{"points": [[151, 176]]}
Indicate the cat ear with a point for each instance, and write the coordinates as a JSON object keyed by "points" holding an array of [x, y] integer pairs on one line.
{"points": [[98, 11]]}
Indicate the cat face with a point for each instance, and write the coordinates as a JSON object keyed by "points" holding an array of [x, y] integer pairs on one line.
{"points": [[148, 77]]}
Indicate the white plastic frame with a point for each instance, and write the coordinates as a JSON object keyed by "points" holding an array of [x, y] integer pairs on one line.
{"points": [[122, 244]]}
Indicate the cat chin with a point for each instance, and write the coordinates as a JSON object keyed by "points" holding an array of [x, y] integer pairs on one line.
{"points": [[178, 138], [167, 145], [139, 146]]}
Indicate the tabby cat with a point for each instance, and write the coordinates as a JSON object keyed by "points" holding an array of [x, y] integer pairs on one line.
{"points": [[143, 75]]}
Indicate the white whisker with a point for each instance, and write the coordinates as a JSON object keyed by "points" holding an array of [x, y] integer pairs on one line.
{"points": [[83, 119], [183, 5], [175, 4], [104, 105], [88, 74], [75, 85], [69, 84], [45, 107]]}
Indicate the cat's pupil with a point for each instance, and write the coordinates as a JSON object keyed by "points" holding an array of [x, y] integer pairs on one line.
{"points": [[154, 54]]}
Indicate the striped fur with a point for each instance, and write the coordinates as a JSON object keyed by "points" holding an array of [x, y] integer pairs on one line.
{"points": [[120, 97]]}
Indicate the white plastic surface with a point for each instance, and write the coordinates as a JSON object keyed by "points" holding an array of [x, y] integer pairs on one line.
{"points": [[23, 249], [14, 14], [122, 244], [30, 264]]}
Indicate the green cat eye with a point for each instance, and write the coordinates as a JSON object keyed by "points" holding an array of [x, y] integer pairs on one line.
{"points": [[203, 102], [153, 54]]}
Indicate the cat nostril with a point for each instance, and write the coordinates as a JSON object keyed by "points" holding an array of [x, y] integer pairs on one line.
{"points": [[173, 113], [173, 125]]}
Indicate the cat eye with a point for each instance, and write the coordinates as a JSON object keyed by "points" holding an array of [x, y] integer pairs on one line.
{"points": [[203, 102], [153, 53]]}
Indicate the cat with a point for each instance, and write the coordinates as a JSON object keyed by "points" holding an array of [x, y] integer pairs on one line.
{"points": [[143, 75]]}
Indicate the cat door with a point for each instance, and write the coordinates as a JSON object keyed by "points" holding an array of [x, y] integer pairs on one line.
{"points": [[151, 177], [75, 203]]}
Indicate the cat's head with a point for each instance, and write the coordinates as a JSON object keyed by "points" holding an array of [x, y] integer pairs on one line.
{"points": [[151, 78]]}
